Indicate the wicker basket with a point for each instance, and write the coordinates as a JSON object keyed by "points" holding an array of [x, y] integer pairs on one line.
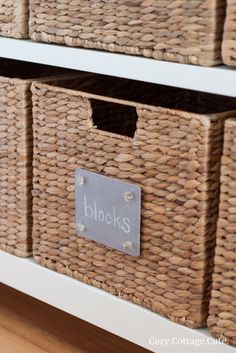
{"points": [[173, 155], [16, 147], [186, 31], [229, 38], [14, 17], [222, 319]]}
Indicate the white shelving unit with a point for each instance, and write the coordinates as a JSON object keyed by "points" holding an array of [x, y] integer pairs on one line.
{"points": [[102, 309], [113, 314], [217, 80]]}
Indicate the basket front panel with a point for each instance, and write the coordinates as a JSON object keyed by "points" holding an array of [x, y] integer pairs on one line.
{"points": [[187, 31]]}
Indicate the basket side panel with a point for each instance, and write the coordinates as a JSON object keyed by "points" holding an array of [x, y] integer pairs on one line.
{"points": [[14, 16], [222, 319], [15, 168], [229, 38]]}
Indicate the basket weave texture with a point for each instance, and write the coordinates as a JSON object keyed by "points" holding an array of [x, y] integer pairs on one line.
{"points": [[222, 319], [15, 166], [14, 17], [185, 31], [16, 148], [173, 155], [229, 38]]}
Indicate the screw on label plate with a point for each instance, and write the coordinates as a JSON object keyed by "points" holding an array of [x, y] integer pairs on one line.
{"points": [[80, 180], [128, 196], [80, 227], [128, 245]]}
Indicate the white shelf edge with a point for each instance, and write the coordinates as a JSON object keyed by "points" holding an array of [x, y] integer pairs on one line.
{"points": [[100, 308], [218, 80]]}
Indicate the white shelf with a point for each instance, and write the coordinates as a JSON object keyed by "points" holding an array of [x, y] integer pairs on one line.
{"points": [[218, 80], [111, 313]]}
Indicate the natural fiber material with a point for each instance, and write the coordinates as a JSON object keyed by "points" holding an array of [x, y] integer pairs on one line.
{"points": [[14, 17], [229, 39], [16, 147], [186, 31], [173, 155], [222, 319]]}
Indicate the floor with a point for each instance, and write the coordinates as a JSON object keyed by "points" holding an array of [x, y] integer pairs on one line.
{"points": [[30, 326]]}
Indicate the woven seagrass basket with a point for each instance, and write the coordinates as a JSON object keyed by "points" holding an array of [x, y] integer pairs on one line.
{"points": [[229, 38], [16, 148], [222, 319], [172, 153], [14, 17], [186, 31]]}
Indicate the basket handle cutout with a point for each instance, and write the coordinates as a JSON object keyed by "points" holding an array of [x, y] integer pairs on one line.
{"points": [[114, 117]]}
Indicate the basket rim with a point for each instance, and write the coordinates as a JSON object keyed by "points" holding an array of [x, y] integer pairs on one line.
{"points": [[205, 119], [46, 78]]}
